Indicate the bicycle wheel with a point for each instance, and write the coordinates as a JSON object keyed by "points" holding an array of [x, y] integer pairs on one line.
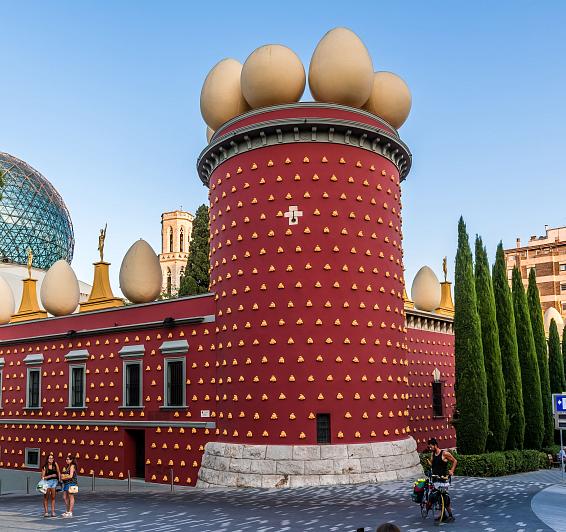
{"points": [[424, 511]]}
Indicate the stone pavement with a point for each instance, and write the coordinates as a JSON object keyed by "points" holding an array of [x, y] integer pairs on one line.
{"points": [[500, 504]]}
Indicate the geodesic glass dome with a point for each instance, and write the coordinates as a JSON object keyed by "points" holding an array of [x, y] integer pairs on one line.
{"points": [[32, 214]]}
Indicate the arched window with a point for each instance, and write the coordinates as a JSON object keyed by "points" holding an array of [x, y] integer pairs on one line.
{"points": [[181, 241], [170, 240], [182, 274], [169, 281]]}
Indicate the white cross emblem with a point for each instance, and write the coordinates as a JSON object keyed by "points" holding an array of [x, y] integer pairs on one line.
{"points": [[293, 214]]}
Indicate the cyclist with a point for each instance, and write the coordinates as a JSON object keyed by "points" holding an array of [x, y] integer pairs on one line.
{"points": [[438, 461]]}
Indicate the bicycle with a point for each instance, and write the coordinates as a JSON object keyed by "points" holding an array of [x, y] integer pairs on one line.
{"points": [[435, 497]]}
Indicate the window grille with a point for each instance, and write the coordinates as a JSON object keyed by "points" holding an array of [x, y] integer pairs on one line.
{"points": [[133, 384], [437, 399], [77, 387], [323, 428], [175, 383], [34, 376]]}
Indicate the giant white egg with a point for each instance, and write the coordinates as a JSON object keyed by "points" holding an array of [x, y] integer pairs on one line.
{"points": [[341, 70], [60, 289], [425, 291], [221, 96], [140, 273], [6, 301], [272, 74], [390, 98]]}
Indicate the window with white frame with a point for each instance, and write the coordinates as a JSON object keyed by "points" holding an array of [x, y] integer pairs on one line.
{"points": [[77, 386], [175, 386], [562, 267], [132, 376], [31, 458], [33, 392], [175, 382], [33, 380]]}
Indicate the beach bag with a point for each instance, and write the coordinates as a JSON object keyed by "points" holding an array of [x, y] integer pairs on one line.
{"points": [[73, 488], [418, 490], [41, 487]]}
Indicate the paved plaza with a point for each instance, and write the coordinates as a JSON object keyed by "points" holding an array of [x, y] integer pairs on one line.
{"points": [[501, 504]]}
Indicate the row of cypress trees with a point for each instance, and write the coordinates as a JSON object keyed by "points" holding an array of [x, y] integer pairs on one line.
{"points": [[505, 372]]}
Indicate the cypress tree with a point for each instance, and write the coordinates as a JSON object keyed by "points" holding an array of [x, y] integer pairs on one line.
{"points": [[509, 353], [535, 313], [534, 419], [491, 352], [564, 358], [555, 362], [471, 421], [196, 278]]}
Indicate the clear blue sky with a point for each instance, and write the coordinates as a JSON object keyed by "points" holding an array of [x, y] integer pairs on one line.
{"points": [[102, 97]]}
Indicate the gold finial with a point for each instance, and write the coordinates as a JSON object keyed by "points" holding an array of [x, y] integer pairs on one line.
{"points": [[101, 238], [445, 268], [30, 261]]}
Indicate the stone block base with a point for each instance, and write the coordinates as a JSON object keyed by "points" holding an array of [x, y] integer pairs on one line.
{"points": [[283, 466]]}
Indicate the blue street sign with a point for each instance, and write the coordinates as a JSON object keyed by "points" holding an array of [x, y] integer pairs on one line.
{"points": [[559, 402]]}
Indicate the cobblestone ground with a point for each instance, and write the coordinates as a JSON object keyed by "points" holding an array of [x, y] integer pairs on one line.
{"points": [[502, 504]]}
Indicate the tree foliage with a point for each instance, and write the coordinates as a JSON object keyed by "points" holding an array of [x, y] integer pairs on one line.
{"points": [[534, 419], [196, 277], [471, 421], [535, 313], [497, 435], [509, 353], [564, 358], [555, 361]]}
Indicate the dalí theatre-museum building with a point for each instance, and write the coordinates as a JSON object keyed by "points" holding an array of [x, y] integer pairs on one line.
{"points": [[306, 363]]}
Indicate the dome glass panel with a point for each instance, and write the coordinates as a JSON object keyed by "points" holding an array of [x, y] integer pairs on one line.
{"points": [[32, 214]]}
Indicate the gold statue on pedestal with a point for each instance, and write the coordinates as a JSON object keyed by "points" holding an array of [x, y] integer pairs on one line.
{"points": [[101, 238], [29, 306], [101, 295], [446, 307]]}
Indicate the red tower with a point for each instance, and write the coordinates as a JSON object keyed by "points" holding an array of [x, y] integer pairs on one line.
{"points": [[306, 264]]}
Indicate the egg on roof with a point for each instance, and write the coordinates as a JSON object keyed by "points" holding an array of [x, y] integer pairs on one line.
{"points": [[140, 273], [390, 98], [6, 301], [60, 289], [341, 70], [273, 74], [221, 96], [425, 291], [552, 314]]}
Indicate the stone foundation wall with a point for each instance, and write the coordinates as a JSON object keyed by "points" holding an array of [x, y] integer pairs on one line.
{"points": [[281, 466]]}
